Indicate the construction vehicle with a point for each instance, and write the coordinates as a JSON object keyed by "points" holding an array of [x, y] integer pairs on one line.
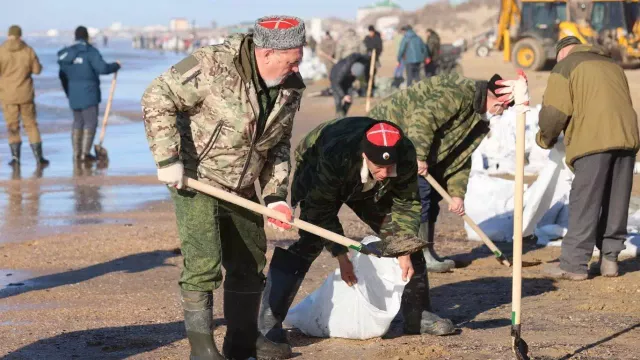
{"points": [[534, 28]]}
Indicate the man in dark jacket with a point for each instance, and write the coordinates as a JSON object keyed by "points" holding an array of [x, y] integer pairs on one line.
{"points": [[446, 117], [587, 97], [412, 53], [373, 41], [80, 68], [342, 77], [370, 166], [18, 62], [433, 45]]}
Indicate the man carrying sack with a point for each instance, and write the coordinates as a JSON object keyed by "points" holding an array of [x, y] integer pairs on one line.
{"points": [[370, 166], [446, 117], [224, 116]]}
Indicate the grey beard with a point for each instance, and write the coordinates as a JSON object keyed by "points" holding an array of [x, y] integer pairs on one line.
{"points": [[273, 82]]}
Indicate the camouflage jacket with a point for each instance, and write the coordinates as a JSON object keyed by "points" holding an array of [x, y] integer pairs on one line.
{"points": [[329, 161], [442, 115], [204, 110]]}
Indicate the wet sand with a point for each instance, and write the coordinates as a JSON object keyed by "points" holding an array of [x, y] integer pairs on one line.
{"points": [[90, 262]]}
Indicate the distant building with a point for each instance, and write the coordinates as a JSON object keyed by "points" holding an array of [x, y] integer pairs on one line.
{"points": [[116, 26], [383, 6], [179, 24]]}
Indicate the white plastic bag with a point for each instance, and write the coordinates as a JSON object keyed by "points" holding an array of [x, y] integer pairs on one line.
{"points": [[363, 311]]}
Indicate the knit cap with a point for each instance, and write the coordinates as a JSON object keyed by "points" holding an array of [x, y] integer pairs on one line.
{"points": [[15, 30], [566, 41], [279, 32]]}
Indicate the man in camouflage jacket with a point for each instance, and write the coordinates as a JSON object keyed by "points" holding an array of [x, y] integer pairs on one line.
{"points": [[224, 115], [370, 166], [446, 118]]}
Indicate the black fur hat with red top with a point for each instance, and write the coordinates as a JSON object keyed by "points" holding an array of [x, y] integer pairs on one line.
{"points": [[380, 143]]}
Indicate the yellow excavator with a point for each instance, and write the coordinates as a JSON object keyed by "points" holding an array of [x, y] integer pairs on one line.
{"points": [[535, 26]]}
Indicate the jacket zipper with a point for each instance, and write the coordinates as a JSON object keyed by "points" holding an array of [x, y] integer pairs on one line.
{"points": [[212, 141]]}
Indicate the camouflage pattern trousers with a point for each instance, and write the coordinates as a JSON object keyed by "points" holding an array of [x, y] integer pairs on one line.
{"points": [[12, 114], [214, 233]]}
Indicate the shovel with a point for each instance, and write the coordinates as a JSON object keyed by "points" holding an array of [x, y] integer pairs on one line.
{"points": [[494, 249], [518, 345], [101, 152], [260, 209], [372, 69]]}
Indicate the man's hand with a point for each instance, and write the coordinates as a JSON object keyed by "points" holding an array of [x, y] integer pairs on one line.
{"points": [[406, 266], [515, 90], [346, 99], [284, 208], [422, 168], [457, 206], [346, 270], [172, 175]]}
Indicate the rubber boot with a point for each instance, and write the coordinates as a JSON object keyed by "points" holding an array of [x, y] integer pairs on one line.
{"points": [[198, 320], [15, 154], [37, 153], [416, 304], [285, 276], [76, 143], [435, 264], [241, 313], [87, 142]]}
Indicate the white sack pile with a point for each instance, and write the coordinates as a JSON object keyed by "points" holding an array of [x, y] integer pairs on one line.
{"points": [[489, 200], [311, 67]]}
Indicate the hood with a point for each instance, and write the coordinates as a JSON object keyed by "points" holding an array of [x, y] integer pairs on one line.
{"points": [[14, 45], [68, 54], [595, 49], [410, 33]]}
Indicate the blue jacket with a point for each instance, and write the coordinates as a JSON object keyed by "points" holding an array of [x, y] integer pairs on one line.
{"points": [[412, 49], [80, 68]]}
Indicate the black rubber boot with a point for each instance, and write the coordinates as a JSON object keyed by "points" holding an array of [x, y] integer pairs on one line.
{"points": [[198, 320], [434, 262], [416, 304], [37, 153], [87, 142], [241, 313], [15, 154], [76, 143], [285, 276]]}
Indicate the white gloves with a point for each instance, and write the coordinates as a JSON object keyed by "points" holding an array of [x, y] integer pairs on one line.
{"points": [[172, 175], [517, 91], [284, 208]]}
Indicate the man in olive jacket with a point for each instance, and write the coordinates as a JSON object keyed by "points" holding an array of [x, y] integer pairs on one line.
{"points": [[588, 98], [18, 62]]}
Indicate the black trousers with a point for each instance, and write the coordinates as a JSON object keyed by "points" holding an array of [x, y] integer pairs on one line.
{"points": [[413, 72], [598, 208]]}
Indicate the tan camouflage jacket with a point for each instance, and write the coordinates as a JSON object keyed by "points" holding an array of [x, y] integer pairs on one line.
{"points": [[203, 111]]}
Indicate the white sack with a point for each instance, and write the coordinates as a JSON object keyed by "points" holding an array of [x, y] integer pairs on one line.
{"points": [[363, 311]]}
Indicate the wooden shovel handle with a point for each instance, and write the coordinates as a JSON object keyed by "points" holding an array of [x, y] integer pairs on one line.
{"points": [[108, 108], [518, 209], [261, 209], [485, 239], [372, 68]]}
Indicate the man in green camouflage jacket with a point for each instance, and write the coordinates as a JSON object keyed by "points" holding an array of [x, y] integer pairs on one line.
{"points": [[224, 115], [370, 166], [446, 117]]}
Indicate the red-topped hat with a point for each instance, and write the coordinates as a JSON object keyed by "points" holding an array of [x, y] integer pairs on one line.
{"points": [[380, 143], [279, 32]]}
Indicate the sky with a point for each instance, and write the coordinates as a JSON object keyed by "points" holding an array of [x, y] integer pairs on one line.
{"points": [[39, 15]]}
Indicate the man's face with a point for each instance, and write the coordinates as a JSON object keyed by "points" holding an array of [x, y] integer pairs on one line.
{"points": [[379, 172], [280, 64], [372, 33]]}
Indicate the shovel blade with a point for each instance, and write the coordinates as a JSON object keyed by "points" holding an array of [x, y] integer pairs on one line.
{"points": [[521, 349], [101, 153]]}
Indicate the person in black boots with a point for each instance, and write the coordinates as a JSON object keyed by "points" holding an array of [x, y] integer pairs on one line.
{"points": [[18, 62], [80, 68], [370, 166]]}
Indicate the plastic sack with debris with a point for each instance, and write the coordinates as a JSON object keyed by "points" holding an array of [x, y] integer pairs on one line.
{"points": [[362, 311]]}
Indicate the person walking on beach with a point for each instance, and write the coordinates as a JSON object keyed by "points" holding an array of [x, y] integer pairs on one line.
{"points": [[18, 62], [80, 68]]}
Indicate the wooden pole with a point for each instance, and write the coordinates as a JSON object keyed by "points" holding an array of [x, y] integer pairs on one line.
{"points": [[108, 108], [485, 239], [372, 68], [517, 220]]}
